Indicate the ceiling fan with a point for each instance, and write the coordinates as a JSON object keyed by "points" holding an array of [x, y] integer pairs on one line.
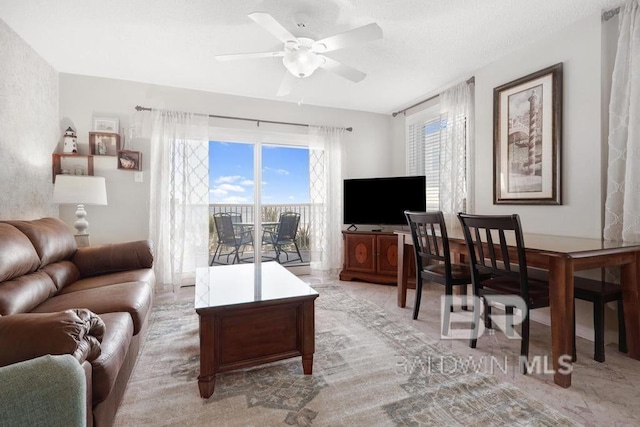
{"points": [[302, 56]]}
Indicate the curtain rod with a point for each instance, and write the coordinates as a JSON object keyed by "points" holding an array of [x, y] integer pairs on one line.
{"points": [[608, 14], [349, 129], [469, 81]]}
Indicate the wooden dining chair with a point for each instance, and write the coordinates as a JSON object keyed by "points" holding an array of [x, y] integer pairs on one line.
{"points": [[433, 258], [599, 293], [486, 239]]}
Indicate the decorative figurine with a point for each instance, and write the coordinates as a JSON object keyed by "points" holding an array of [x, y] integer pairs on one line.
{"points": [[70, 142], [101, 147]]}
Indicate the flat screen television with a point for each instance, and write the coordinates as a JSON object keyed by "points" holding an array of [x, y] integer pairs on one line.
{"points": [[382, 201]]}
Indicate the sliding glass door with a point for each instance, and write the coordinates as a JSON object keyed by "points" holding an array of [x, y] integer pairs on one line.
{"points": [[260, 185]]}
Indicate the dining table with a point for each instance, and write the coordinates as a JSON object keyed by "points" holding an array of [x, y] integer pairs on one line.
{"points": [[562, 257]]}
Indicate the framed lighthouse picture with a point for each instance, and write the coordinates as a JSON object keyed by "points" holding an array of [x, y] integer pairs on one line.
{"points": [[527, 134]]}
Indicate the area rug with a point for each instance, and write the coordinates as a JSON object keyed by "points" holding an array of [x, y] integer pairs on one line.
{"points": [[367, 371]]}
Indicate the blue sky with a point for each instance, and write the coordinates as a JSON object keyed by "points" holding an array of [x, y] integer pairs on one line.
{"points": [[285, 174]]}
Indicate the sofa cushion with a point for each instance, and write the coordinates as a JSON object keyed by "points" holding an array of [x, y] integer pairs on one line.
{"points": [[62, 273], [51, 238], [134, 298], [18, 254], [114, 347], [24, 293], [142, 275]]}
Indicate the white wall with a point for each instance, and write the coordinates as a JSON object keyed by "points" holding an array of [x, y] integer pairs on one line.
{"points": [[587, 49], [126, 217], [29, 129], [578, 47]]}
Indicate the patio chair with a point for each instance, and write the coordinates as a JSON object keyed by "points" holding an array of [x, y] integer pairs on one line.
{"points": [[230, 237], [284, 236]]}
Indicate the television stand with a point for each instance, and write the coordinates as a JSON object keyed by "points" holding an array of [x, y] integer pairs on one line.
{"points": [[370, 256]]}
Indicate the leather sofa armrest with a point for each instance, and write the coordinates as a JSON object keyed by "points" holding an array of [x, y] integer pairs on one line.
{"points": [[113, 257], [25, 336]]}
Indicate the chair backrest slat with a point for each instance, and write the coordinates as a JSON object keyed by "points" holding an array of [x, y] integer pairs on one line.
{"points": [[479, 246], [505, 250]]}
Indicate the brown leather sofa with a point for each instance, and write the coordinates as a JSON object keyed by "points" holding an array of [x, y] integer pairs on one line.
{"points": [[92, 303]]}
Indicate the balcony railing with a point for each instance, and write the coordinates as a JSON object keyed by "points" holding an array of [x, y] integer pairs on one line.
{"points": [[270, 213]]}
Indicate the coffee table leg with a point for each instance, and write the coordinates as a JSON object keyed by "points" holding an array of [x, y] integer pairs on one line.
{"points": [[207, 377], [206, 386], [308, 336]]}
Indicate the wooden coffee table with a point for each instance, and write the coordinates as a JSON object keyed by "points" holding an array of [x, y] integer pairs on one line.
{"points": [[252, 314]]}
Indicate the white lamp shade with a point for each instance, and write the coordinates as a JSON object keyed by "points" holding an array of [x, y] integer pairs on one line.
{"points": [[88, 190]]}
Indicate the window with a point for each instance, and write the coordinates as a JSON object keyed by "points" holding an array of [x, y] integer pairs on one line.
{"points": [[437, 148], [423, 150]]}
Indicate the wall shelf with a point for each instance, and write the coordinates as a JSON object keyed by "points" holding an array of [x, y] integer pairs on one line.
{"points": [[71, 164]]}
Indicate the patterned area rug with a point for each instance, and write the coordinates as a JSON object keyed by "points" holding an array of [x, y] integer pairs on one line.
{"points": [[367, 371]]}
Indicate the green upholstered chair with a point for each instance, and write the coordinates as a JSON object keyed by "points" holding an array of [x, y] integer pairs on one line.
{"points": [[45, 391]]}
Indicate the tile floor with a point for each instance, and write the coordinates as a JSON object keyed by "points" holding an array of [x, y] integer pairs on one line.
{"points": [[601, 393]]}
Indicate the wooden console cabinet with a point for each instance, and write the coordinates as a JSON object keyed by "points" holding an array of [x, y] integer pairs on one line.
{"points": [[370, 256]]}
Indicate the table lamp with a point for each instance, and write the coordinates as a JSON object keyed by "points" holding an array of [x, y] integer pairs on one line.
{"points": [[80, 190]]}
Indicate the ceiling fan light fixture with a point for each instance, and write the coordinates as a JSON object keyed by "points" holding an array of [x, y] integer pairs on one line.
{"points": [[301, 63]]}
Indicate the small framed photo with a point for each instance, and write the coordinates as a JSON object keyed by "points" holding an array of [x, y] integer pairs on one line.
{"points": [[104, 143], [106, 124], [130, 160], [527, 139]]}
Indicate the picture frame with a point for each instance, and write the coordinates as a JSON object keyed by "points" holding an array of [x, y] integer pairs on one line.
{"points": [[104, 143], [130, 160], [106, 124], [527, 139]]}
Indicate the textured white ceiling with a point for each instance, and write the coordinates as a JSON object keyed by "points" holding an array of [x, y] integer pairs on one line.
{"points": [[427, 44]]}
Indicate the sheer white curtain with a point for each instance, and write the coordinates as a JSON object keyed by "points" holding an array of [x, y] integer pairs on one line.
{"points": [[456, 109], [325, 181], [179, 211], [622, 206]]}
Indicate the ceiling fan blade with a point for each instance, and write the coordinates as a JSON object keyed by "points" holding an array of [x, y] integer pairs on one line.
{"points": [[233, 56], [342, 70], [269, 23], [358, 35], [287, 84]]}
